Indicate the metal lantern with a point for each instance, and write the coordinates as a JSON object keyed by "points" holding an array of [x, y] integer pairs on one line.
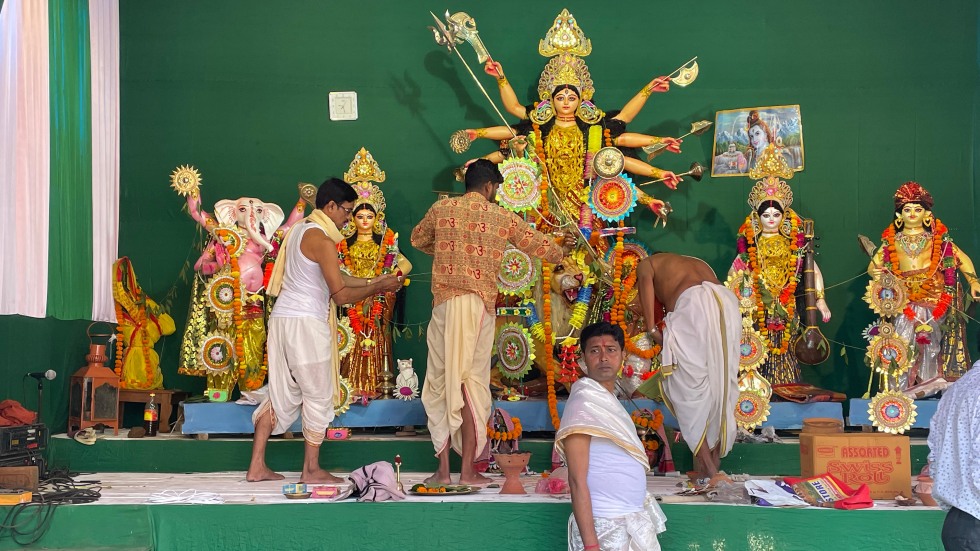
{"points": [[93, 396]]}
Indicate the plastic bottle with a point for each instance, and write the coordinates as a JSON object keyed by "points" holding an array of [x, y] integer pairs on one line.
{"points": [[151, 416]]}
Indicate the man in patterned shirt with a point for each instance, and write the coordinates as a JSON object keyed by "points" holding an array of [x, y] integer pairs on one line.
{"points": [[467, 237]]}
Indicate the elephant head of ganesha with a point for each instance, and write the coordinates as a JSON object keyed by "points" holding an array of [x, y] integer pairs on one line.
{"points": [[257, 218]]}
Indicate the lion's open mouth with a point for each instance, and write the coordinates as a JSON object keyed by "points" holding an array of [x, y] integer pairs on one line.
{"points": [[570, 294]]}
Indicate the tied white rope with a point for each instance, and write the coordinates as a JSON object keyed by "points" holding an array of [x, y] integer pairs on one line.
{"points": [[186, 496]]}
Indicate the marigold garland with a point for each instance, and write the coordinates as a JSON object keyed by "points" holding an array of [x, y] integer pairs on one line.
{"points": [[239, 318], [366, 328], [651, 422], [942, 257], [749, 255], [549, 356], [505, 435], [539, 150]]}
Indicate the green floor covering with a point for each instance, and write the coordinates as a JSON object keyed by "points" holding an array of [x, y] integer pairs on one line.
{"points": [[178, 455], [470, 526], [446, 525]]}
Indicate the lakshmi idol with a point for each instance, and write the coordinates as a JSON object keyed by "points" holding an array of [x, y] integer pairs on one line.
{"points": [[914, 287], [767, 273], [369, 250]]}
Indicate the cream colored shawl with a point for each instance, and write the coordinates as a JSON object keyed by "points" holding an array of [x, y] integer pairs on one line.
{"points": [[593, 410], [319, 218]]}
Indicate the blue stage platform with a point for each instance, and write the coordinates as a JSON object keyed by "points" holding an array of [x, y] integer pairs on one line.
{"points": [[924, 410], [231, 418]]}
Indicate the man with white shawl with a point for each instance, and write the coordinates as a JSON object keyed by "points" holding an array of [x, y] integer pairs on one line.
{"points": [[607, 466], [302, 344], [701, 337]]}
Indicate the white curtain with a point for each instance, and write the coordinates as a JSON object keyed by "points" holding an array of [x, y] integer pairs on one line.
{"points": [[104, 40], [25, 157]]}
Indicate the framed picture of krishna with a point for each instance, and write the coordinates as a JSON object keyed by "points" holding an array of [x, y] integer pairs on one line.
{"points": [[742, 134]]}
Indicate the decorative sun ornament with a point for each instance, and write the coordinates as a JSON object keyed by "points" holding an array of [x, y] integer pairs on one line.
{"points": [[892, 412], [889, 351], [752, 351], [514, 352], [517, 273], [520, 190], [221, 294], [886, 295], [613, 199], [217, 352], [186, 180], [751, 410], [232, 238], [740, 283], [345, 337], [346, 397], [633, 252]]}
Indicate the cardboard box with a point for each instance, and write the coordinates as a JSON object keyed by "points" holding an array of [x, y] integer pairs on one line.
{"points": [[19, 478], [881, 461]]}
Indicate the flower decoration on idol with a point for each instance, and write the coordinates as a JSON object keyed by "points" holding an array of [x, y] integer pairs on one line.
{"points": [[517, 272], [647, 423], [514, 351], [520, 190]]}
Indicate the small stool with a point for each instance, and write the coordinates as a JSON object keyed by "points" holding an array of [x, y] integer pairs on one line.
{"points": [[165, 399]]}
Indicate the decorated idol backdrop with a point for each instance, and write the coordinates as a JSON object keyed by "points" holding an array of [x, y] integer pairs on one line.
{"points": [[239, 90]]}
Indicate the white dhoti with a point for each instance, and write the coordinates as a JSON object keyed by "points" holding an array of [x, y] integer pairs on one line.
{"points": [[633, 532], [300, 377], [700, 365], [460, 343]]}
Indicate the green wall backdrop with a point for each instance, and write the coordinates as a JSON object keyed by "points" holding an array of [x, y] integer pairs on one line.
{"points": [[888, 92]]}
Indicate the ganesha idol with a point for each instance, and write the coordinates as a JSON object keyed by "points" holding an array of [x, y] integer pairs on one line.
{"points": [[226, 322]]}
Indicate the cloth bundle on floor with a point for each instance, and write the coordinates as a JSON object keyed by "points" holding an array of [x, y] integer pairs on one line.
{"points": [[376, 482]]}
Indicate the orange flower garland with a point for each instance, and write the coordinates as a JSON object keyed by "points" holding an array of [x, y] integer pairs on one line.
{"points": [[354, 313], [508, 435], [651, 422], [239, 317], [787, 294], [539, 149], [927, 288], [549, 342]]}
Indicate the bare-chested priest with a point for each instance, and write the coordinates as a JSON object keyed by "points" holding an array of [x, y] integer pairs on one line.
{"points": [[700, 338]]}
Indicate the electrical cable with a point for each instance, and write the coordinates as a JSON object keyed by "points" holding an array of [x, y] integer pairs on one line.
{"points": [[28, 522]]}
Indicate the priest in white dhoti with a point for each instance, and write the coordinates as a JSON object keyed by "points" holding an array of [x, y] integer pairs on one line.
{"points": [[700, 338], [607, 466]]}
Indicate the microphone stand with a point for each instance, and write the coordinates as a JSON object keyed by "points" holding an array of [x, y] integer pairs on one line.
{"points": [[40, 396]]}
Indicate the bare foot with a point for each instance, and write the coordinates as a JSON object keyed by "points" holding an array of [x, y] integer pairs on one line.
{"points": [[319, 476], [258, 474], [476, 479], [438, 478]]}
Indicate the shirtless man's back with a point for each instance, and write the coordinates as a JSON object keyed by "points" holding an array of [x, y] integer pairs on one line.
{"points": [[668, 275]]}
